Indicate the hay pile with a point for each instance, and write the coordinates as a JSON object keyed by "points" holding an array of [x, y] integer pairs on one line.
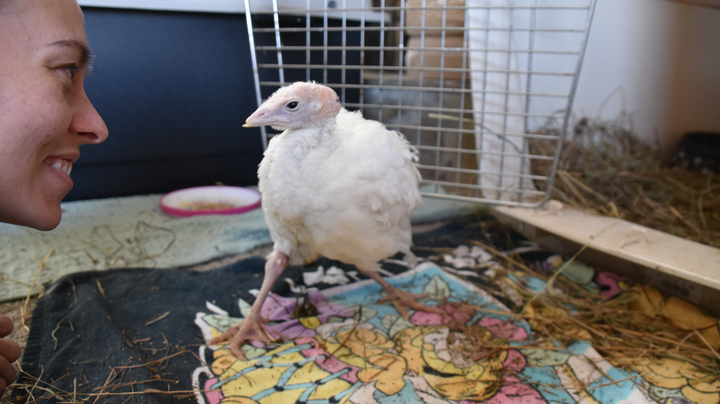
{"points": [[640, 330], [604, 169]]}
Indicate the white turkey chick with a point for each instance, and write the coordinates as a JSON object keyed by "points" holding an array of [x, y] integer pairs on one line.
{"points": [[334, 184]]}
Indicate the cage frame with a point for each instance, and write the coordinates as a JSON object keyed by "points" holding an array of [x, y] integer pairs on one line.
{"points": [[540, 197]]}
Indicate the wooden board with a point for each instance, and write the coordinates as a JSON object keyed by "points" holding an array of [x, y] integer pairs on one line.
{"points": [[681, 267]]}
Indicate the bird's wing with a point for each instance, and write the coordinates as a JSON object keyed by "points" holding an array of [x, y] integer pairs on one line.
{"points": [[378, 166], [365, 186]]}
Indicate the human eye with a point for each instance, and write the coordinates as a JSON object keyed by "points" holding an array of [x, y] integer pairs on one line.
{"points": [[70, 70]]}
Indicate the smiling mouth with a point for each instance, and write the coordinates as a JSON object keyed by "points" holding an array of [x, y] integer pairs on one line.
{"points": [[64, 166]]}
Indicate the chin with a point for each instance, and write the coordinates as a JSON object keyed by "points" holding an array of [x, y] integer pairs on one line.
{"points": [[37, 222], [46, 222], [45, 219], [41, 213], [48, 213], [47, 225]]}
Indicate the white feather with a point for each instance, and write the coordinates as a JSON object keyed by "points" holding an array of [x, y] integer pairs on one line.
{"points": [[344, 192]]}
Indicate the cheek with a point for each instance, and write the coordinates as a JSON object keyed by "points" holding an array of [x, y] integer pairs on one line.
{"points": [[30, 130], [51, 116], [40, 103], [31, 125], [46, 115]]}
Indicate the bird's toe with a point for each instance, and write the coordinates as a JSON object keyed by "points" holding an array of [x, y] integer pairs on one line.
{"points": [[226, 336], [405, 300], [242, 333]]}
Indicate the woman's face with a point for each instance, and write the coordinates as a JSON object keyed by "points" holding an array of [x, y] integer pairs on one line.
{"points": [[45, 115]]}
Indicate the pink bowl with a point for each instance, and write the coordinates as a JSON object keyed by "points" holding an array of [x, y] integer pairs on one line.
{"points": [[210, 200]]}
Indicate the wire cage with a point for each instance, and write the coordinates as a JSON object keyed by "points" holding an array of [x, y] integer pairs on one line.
{"points": [[471, 83]]}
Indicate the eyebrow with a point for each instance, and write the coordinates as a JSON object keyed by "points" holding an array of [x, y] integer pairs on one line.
{"points": [[85, 54]]}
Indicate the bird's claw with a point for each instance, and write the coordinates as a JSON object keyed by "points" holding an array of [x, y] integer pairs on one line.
{"points": [[406, 300], [243, 332]]}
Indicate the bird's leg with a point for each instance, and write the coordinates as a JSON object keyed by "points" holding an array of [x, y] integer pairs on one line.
{"points": [[400, 299], [251, 327]]}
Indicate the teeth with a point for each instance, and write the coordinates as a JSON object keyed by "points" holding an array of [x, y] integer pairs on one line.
{"points": [[62, 167]]}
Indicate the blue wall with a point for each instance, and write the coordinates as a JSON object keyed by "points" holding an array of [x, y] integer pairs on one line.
{"points": [[174, 89]]}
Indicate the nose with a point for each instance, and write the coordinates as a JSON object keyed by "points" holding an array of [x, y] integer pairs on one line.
{"points": [[86, 121]]}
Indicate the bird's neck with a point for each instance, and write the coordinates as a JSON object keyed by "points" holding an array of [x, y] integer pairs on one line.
{"points": [[310, 138]]}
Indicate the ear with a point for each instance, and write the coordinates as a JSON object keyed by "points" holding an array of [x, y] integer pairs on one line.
{"points": [[315, 106]]}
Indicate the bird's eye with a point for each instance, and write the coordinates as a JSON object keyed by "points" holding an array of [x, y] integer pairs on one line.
{"points": [[292, 105]]}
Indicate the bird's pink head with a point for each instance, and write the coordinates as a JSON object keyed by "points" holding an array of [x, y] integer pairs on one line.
{"points": [[298, 106]]}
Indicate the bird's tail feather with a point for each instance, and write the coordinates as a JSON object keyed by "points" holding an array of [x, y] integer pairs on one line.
{"points": [[410, 258]]}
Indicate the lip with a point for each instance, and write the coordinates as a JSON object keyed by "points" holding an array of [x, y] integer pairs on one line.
{"points": [[60, 165], [72, 157]]}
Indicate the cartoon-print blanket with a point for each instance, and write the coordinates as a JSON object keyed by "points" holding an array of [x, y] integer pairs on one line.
{"points": [[141, 336], [357, 351]]}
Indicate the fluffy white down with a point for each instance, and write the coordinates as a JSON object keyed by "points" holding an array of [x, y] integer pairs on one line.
{"points": [[345, 193]]}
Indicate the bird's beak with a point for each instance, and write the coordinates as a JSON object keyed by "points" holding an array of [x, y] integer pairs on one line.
{"points": [[249, 124], [258, 118], [252, 122], [264, 117]]}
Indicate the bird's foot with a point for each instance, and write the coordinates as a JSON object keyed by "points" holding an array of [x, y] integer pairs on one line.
{"points": [[245, 331], [405, 300]]}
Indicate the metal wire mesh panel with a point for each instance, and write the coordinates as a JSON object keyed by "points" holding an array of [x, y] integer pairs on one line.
{"points": [[471, 83]]}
